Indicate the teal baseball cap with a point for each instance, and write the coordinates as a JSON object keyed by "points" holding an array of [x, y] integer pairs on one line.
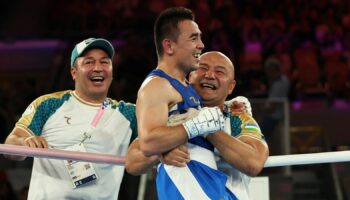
{"points": [[91, 43]]}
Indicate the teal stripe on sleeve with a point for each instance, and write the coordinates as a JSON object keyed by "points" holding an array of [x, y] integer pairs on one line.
{"points": [[129, 112], [236, 123], [44, 111]]}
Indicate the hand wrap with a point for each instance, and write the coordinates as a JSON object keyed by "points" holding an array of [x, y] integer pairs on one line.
{"points": [[208, 120]]}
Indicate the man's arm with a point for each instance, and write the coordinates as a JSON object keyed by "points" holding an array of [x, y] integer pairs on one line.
{"points": [[152, 107], [21, 137], [247, 154], [136, 162]]}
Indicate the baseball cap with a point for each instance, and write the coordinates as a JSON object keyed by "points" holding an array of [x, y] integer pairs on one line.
{"points": [[91, 43]]}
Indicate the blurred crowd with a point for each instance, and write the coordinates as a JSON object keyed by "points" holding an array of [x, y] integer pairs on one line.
{"points": [[310, 39]]}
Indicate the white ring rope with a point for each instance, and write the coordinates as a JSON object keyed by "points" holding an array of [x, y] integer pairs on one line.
{"points": [[308, 158], [272, 161]]}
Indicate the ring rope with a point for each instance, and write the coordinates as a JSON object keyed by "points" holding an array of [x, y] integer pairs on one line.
{"points": [[272, 161], [308, 158], [61, 154]]}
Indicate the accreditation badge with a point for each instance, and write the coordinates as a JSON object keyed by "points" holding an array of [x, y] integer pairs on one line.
{"points": [[80, 172]]}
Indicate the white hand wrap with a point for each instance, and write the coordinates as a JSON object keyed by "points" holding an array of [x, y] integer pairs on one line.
{"points": [[240, 99], [208, 120]]}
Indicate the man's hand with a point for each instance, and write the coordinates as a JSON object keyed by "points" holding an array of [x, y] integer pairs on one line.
{"points": [[208, 120], [35, 142], [177, 157], [238, 105]]}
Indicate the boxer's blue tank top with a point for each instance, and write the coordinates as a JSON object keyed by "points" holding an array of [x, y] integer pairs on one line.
{"points": [[200, 179]]}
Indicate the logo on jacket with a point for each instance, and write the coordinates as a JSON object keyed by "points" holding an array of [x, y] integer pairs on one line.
{"points": [[67, 119]]}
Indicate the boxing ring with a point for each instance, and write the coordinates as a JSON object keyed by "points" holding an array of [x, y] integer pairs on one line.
{"points": [[259, 183], [285, 160], [272, 161]]}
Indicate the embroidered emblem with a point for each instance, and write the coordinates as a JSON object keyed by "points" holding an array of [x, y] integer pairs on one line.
{"points": [[67, 119], [29, 110], [86, 136]]}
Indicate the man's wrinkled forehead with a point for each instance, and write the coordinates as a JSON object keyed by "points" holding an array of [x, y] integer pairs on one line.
{"points": [[216, 59]]}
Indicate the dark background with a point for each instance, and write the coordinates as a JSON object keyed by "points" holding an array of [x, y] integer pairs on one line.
{"points": [[310, 38]]}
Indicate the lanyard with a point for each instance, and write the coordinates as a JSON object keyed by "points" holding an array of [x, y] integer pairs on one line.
{"points": [[95, 120], [99, 113]]}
